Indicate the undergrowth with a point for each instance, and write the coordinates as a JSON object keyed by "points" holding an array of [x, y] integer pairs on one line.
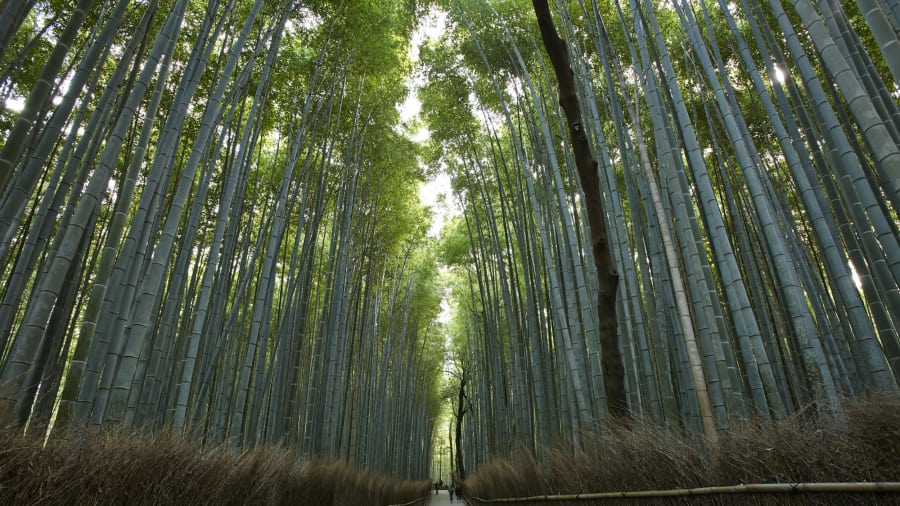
{"points": [[644, 456], [124, 469]]}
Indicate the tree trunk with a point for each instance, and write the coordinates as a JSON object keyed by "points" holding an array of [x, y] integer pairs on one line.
{"points": [[461, 409], [607, 283], [451, 447]]}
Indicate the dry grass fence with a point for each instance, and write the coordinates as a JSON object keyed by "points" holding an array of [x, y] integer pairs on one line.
{"points": [[647, 457], [123, 469]]}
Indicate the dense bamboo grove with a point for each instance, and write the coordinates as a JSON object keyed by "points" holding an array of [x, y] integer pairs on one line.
{"points": [[206, 227], [209, 220], [747, 154]]}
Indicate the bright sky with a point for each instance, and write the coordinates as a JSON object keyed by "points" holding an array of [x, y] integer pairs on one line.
{"points": [[432, 27], [15, 104], [434, 193]]}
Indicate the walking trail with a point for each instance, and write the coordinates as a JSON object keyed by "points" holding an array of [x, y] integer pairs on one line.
{"points": [[443, 498]]}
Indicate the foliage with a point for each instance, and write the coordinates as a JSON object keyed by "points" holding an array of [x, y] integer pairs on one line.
{"points": [[250, 260], [726, 146]]}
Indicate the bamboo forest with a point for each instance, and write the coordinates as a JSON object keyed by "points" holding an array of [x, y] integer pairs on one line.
{"points": [[418, 235]]}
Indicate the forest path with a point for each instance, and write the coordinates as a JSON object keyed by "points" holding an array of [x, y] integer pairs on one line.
{"points": [[443, 498]]}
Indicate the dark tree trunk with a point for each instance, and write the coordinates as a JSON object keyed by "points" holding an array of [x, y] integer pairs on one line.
{"points": [[461, 409], [450, 435], [608, 278]]}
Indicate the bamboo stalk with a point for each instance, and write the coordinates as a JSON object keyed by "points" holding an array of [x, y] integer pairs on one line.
{"points": [[756, 488]]}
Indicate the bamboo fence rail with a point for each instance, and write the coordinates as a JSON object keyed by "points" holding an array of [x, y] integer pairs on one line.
{"points": [[756, 488], [423, 500]]}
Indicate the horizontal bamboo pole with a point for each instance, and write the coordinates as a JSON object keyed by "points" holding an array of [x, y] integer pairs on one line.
{"points": [[422, 500], [757, 488]]}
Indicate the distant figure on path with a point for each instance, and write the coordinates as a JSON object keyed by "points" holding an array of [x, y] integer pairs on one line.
{"points": [[437, 485], [452, 489]]}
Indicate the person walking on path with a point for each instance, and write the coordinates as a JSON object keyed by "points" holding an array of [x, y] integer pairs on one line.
{"points": [[443, 499], [452, 489]]}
